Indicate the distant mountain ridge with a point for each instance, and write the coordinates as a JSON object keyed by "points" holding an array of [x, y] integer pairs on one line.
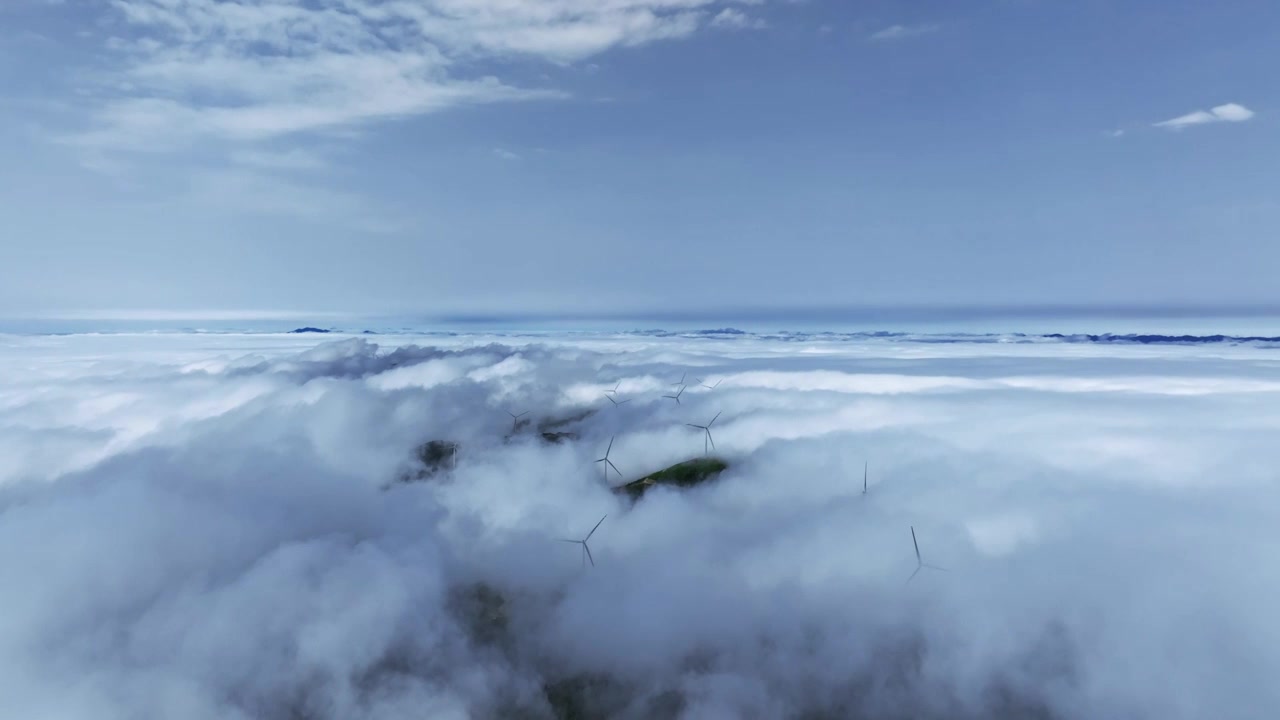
{"points": [[731, 334]]}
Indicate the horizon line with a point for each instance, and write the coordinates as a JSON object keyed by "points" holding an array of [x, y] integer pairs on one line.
{"points": [[717, 315]]}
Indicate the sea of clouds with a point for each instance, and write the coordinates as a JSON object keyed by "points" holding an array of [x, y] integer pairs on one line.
{"points": [[200, 526]]}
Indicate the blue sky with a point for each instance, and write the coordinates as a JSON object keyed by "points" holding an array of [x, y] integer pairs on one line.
{"points": [[445, 156]]}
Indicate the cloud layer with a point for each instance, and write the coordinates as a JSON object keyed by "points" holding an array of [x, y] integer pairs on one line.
{"points": [[209, 526]]}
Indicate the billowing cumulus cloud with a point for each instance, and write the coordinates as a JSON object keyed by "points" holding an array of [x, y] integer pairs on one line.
{"points": [[214, 527]]}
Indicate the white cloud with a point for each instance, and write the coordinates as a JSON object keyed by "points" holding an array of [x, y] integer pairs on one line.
{"points": [[734, 19], [505, 154], [227, 96], [209, 518], [902, 32], [262, 69], [1231, 112]]}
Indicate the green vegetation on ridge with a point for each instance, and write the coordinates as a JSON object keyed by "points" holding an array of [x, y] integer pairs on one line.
{"points": [[682, 475]]}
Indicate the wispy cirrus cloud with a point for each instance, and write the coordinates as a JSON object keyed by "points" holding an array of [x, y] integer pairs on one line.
{"points": [[239, 93], [902, 32], [1231, 112], [734, 19], [262, 69]]}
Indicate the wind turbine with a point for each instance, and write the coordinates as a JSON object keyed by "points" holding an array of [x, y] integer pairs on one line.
{"points": [[676, 397], [615, 389], [707, 429], [616, 403], [864, 491], [709, 387], [682, 379], [920, 564], [515, 419], [586, 551], [609, 463]]}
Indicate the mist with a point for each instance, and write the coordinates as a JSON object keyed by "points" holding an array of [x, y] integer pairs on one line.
{"points": [[242, 526]]}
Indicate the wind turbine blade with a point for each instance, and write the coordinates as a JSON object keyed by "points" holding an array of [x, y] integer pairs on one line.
{"points": [[864, 487], [610, 448], [695, 426], [624, 402], [593, 530], [913, 575], [916, 544], [588, 551], [714, 419], [568, 541], [935, 567], [712, 439], [615, 469]]}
